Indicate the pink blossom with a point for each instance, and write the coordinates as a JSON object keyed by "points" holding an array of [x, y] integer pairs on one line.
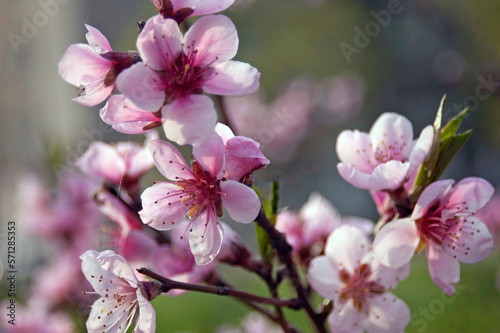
{"points": [[385, 158], [175, 261], [358, 284], [243, 156], [179, 10], [315, 221], [199, 192], [32, 318], [69, 217], [93, 68], [490, 215], [444, 221], [125, 117], [123, 298], [177, 69], [117, 211], [122, 164]]}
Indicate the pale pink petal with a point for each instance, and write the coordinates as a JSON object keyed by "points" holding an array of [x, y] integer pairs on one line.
{"points": [[444, 269], [365, 225], [118, 266], [125, 117], [142, 86], [92, 97], [473, 192], [346, 245], [393, 129], [323, 276], [320, 218], [421, 148], [142, 161], [97, 40], [224, 132], [81, 65], [169, 160], [103, 162], [211, 156], [387, 314], [353, 176], [205, 7], [160, 209], [114, 320], [429, 194], [214, 37], [243, 156], [233, 78], [396, 242], [290, 224], [475, 241], [160, 42], [146, 322], [206, 239], [346, 318], [387, 276], [189, 120], [353, 148], [92, 267], [240, 201], [389, 176]]}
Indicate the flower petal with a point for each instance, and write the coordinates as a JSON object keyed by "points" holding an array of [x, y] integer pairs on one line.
{"points": [[353, 148], [160, 42], [387, 314], [146, 321], [125, 117], [97, 40], [103, 162], [346, 318], [444, 269], [475, 241], [320, 217], [389, 176], [142, 85], [473, 192], [214, 37], [347, 246], [169, 160], [189, 120], [211, 156], [240, 201], [323, 277], [211, 6], [396, 242], [224, 132], [392, 129], [161, 209], [429, 194], [233, 78], [353, 176], [205, 240], [421, 148], [243, 156]]}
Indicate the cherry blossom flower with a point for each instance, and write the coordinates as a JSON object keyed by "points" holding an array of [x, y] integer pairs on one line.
{"points": [[123, 298], [314, 223], [385, 158], [177, 69], [243, 156], [125, 117], [444, 221], [200, 192], [179, 10], [358, 284], [122, 164], [93, 68]]}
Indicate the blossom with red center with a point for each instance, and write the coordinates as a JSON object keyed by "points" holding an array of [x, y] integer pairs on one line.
{"points": [[123, 298], [444, 221], [176, 69], [358, 284], [93, 68], [384, 159], [179, 10], [200, 192]]}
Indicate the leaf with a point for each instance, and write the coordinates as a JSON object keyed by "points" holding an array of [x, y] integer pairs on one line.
{"points": [[270, 207], [452, 127], [449, 149]]}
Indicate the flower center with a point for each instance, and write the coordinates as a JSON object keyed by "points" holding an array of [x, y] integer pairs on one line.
{"points": [[358, 286]]}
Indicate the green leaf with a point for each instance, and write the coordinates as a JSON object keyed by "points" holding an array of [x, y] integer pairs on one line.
{"points": [[270, 206], [452, 127], [449, 149]]}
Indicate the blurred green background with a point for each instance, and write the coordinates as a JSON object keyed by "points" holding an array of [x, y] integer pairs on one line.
{"points": [[430, 48]]}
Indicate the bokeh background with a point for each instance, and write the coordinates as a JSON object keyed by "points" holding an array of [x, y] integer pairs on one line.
{"points": [[310, 91]]}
